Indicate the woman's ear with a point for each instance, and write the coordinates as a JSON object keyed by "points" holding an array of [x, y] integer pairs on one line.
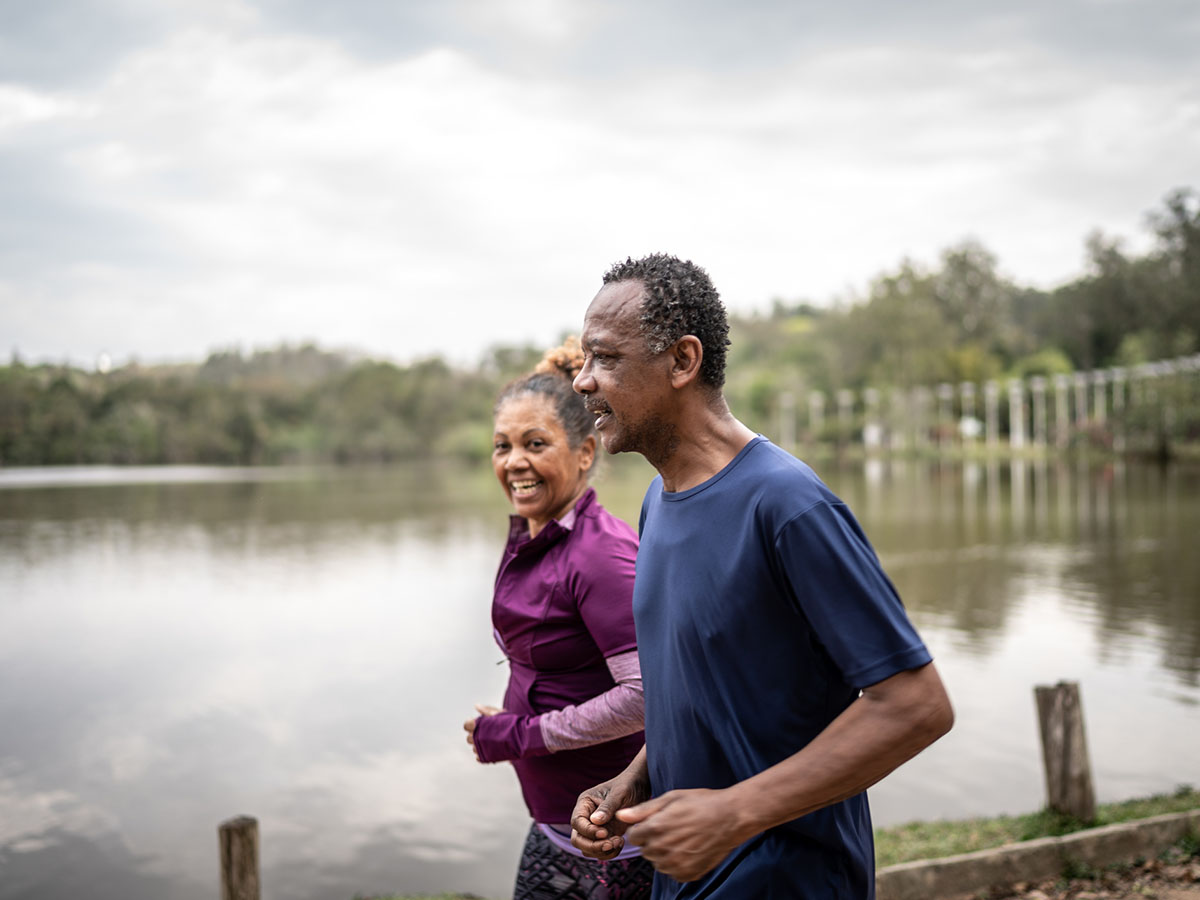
{"points": [[686, 355], [587, 453]]}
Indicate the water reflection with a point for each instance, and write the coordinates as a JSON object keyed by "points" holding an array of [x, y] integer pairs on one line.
{"points": [[965, 542], [61, 863], [304, 649]]}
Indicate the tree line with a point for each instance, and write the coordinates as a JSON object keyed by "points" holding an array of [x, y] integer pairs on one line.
{"points": [[959, 320]]}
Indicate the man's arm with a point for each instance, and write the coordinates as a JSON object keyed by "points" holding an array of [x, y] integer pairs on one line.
{"points": [[595, 830], [687, 833]]}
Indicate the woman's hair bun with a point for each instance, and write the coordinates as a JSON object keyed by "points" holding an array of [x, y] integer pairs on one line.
{"points": [[566, 360]]}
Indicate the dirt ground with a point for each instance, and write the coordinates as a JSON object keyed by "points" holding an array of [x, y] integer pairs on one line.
{"points": [[1153, 880]]}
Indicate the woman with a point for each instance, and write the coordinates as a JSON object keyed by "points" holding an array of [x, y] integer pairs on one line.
{"points": [[562, 613]]}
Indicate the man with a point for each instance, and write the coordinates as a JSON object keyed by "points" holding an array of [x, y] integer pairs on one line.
{"points": [[781, 674]]}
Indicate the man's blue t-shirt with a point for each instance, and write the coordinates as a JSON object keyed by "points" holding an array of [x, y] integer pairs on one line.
{"points": [[761, 612]]}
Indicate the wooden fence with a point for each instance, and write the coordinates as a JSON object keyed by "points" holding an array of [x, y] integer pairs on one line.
{"points": [[1145, 408]]}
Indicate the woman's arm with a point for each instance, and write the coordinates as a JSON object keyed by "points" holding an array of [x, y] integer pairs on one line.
{"points": [[500, 735], [608, 716], [600, 585]]}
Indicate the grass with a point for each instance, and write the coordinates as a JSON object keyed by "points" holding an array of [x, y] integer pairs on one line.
{"points": [[932, 840]]}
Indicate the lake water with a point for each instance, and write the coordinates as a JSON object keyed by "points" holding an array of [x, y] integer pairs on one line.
{"points": [[179, 646]]}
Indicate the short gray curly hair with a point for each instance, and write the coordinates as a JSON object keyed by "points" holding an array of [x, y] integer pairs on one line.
{"points": [[678, 299]]}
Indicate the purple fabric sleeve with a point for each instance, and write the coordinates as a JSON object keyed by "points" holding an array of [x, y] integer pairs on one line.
{"points": [[508, 736], [602, 584], [613, 714]]}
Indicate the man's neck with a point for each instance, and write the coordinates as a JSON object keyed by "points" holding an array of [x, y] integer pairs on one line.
{"points": [[704, 444]]}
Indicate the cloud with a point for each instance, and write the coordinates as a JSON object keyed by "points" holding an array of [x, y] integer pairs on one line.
{"points": [[540, 21], [250, 174]]}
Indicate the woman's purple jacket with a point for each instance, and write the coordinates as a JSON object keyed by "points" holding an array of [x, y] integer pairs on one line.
{"points": [[563, 603]]}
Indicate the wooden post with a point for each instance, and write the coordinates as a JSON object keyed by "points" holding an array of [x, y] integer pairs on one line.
{"points": [[238, 840], [1064, 750]]}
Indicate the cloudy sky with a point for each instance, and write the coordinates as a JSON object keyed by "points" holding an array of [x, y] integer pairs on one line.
{"points": [[432, 176]]}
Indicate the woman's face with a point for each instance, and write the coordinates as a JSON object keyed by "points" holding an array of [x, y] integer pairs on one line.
{"points": [[533, 460]]}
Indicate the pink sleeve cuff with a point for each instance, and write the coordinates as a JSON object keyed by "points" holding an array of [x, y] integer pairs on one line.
{"points": [[615, 713]]}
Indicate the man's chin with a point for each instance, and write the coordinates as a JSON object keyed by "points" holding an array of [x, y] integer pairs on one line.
{"points": [[612, 443]]}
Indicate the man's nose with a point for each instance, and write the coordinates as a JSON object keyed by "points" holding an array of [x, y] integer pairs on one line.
{"points": [[584, 383]]}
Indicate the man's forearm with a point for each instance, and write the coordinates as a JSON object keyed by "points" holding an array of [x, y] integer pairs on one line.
{"points": [[638, 770], [889, 724]]}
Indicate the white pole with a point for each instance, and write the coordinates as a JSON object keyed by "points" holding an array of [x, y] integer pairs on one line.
{"points": [[1062, 430], [1099, 396], [1081, 399], [1016, 414], [845, 401], [816, 414], [945, 394], [872, 429], [991, 399], [966, 393], [787, 421], [1037, 386]]}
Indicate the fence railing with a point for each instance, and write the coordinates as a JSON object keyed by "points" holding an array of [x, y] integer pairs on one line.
{"points": [[1117, 408]]}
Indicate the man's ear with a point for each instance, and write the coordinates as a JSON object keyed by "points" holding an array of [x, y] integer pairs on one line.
{"points": [[686, 355]]}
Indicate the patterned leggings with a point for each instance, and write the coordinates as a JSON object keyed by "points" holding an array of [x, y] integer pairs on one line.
{"points": [[548, 873]]}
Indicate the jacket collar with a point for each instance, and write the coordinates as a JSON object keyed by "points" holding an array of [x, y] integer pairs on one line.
{"points": [[518, 526]]}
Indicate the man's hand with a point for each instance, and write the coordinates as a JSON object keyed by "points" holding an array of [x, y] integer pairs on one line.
{"points": [[684, 834], [469, 725], [596, 831]]}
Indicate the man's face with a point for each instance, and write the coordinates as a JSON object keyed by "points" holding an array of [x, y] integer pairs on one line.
{"points": [[623, 384]]}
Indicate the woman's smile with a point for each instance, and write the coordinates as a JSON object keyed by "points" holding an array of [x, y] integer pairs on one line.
{"points": [[542, 474]]}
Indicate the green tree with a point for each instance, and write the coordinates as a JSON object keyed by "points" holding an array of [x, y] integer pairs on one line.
{"points": [[975, 301]]}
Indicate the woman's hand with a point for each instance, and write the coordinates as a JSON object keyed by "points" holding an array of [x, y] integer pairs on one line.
{"points": [[596, 829], [469, 725]]}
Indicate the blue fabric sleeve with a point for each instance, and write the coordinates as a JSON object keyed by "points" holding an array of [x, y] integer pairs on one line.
{"points": [[849, 602]]}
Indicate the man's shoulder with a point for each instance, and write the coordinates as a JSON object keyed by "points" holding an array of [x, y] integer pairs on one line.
{"points": [[763, 481], [782, 483]]}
